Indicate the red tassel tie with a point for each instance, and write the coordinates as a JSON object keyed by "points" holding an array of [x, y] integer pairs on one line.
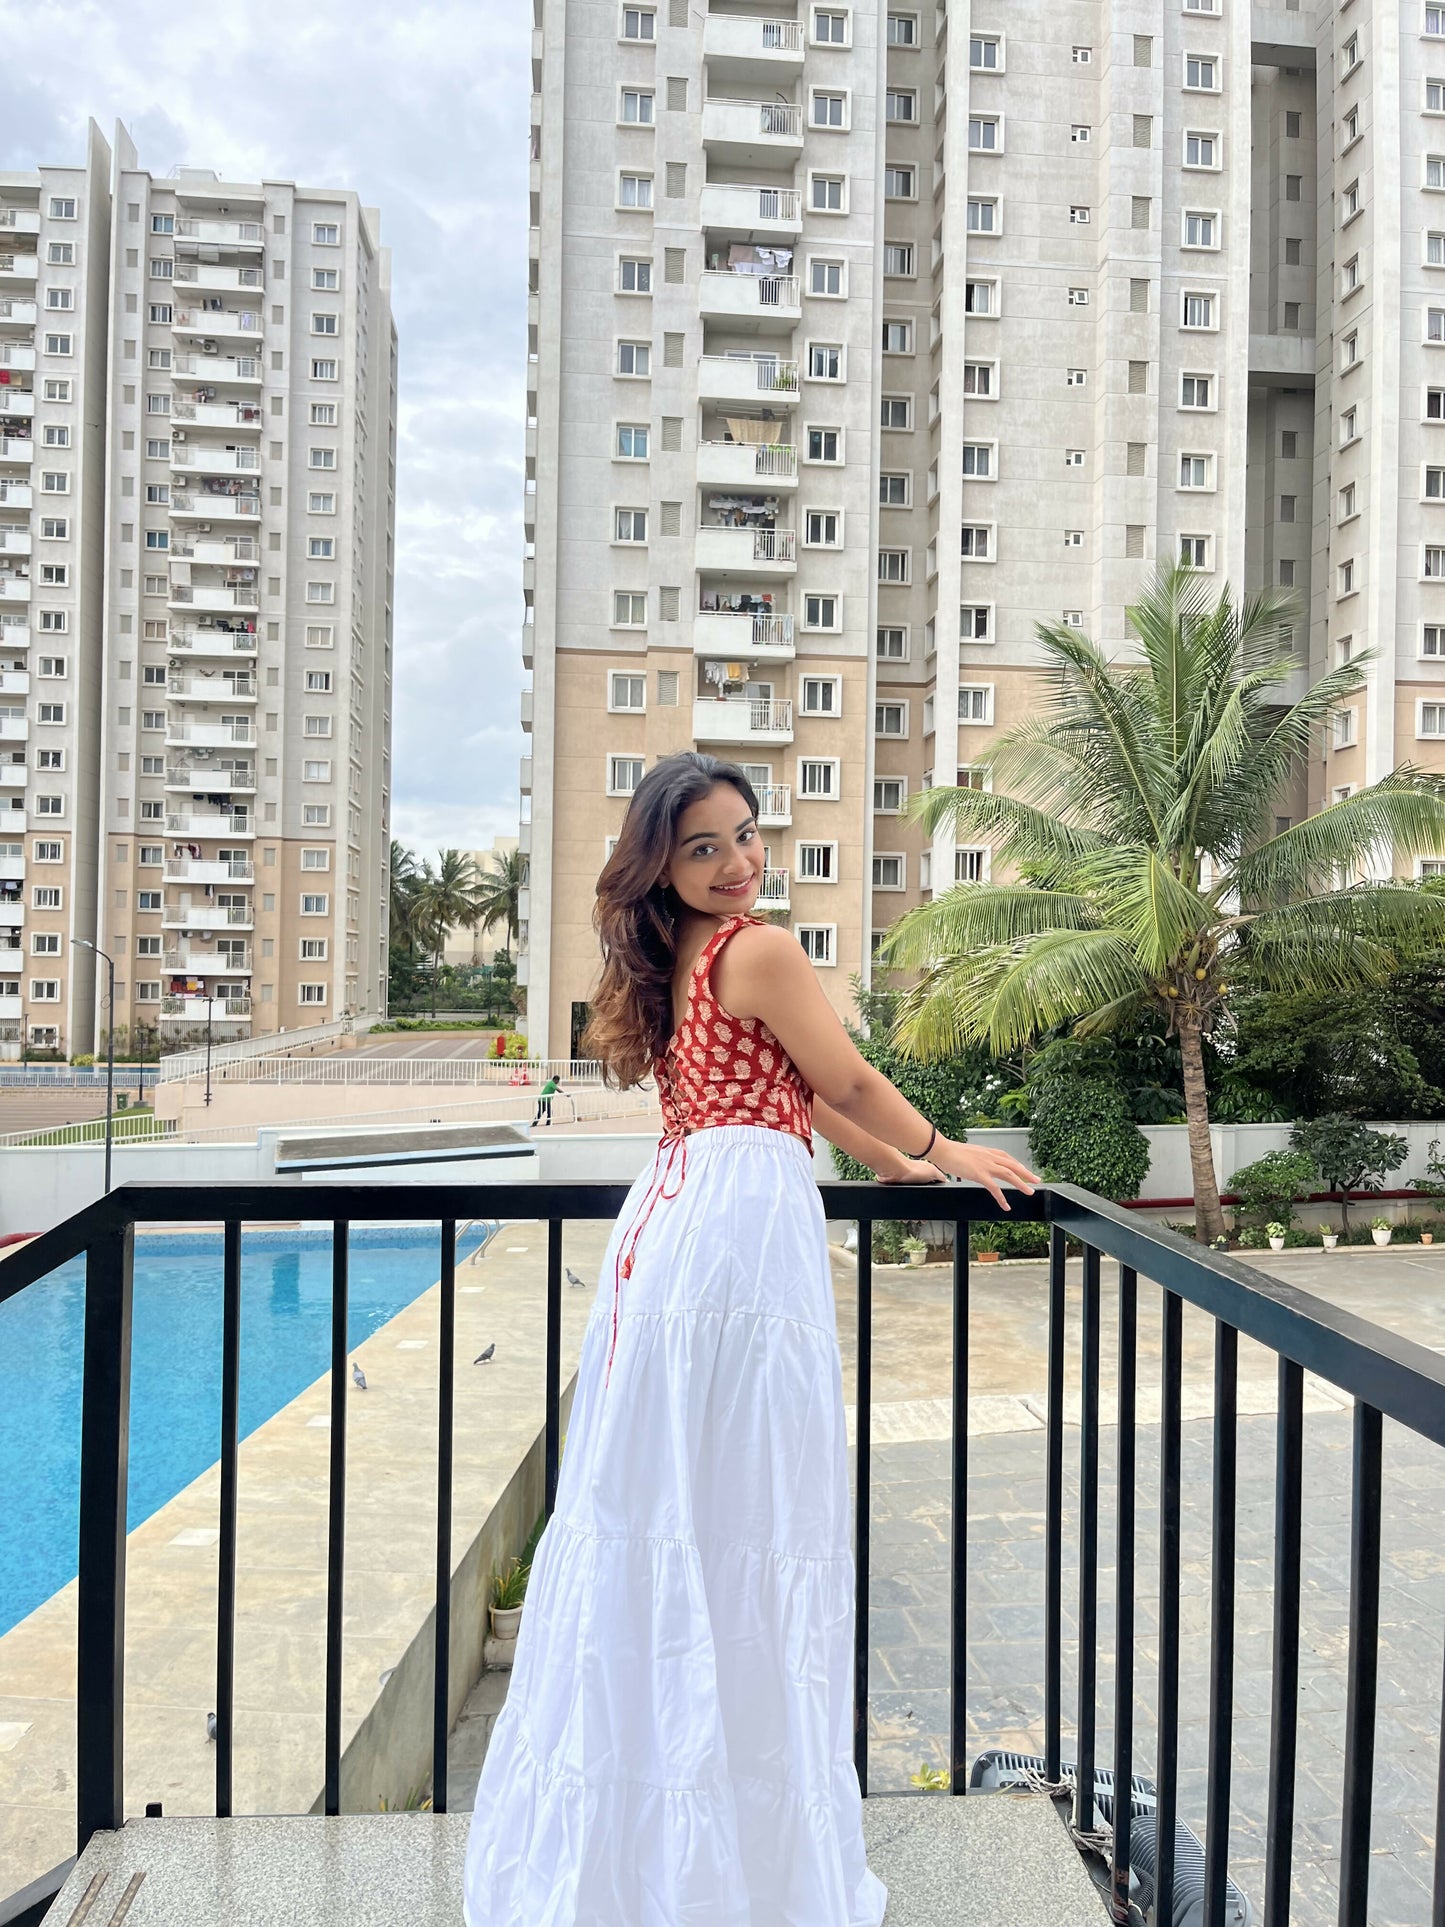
{"points": [[656, 1191]]}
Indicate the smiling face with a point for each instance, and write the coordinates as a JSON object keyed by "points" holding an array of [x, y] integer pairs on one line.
{"points": [[717, 860]]}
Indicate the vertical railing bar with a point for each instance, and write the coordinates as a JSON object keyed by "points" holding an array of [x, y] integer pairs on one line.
{"points": [[1086, 1716], [1437, 1905], [1054, 1519], [1363, 1662], [1221, 1623], [958, 1537], [336, 1513], [104, 1480], [1284, 1688], [1166, 1764], [862, 1434], [230, 1452], [446, 1397], [1124, 1594], [552, 1391]]}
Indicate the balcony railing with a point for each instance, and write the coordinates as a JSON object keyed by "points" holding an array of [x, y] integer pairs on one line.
{"points": [[225, 549], [775, 545], [219, 367], [20, 220], [220, 233], [212, 275], [775, 802], [244, 414], [188, 962], [773, 889], [208, 869], [213, 642], [217, 823], [197, 1009], [183, 730], [219, 461], [220, 505], [1115, 1510], [206, 779], [212, 689], [721, 376]]}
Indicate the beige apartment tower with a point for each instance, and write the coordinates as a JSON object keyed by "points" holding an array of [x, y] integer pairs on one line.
{"points": [[198, 536], [863, 339]]}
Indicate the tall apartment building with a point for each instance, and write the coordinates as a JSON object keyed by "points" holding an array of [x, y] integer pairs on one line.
{"points": [[209, 785], [863, 339]]}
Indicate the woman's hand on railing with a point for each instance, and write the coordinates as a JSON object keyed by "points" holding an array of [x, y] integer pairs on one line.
{"points": [[976, 1164], [911, 1171]]}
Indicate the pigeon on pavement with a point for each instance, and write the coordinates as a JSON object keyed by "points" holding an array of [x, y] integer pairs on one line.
{"points": [[358, 1377], [210, 1726], [485, 1358], [573, 1279]]}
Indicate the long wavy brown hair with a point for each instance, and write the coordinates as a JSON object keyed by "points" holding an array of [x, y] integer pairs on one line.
{"points": [[636, 915]]}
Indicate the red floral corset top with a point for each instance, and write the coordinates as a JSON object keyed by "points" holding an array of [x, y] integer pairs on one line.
{"points": [[720, 1069]]}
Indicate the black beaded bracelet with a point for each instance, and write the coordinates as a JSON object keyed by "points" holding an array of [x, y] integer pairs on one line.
{"points": [[932, 1139]]}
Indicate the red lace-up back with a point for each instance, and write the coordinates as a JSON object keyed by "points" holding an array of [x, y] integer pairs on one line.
{"points": [[720, 1069]]}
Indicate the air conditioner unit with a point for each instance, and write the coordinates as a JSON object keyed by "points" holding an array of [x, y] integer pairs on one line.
{"points": [[178, 434], [203, 528], [210, 347]]}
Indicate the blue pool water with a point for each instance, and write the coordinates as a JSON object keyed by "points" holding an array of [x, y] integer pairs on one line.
{"points": [[175, 1371]]}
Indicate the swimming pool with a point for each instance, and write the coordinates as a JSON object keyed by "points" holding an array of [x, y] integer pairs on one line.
{"points": [[176, 1371]]}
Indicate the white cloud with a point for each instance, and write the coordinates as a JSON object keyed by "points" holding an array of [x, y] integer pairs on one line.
{"points": [[423, 111]]}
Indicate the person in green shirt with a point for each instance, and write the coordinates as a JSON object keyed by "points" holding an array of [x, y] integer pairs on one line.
{"points": [[544, 1102]]}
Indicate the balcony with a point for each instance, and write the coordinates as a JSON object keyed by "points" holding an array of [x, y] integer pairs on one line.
{"points": [[766, 300], [19, 220], [773, 891], [195, 639], [525, 776], [743, 464], [204, 459], [751, 213], [748, 378], [211, 779], [763, 50], [206, 869], [12, 962], [18, 402], [217, 504], [217, 735], [12, 777], [18, 313], [218, 414], [219, 324], [11, 1008], [775, 805], [742, 719], [12, 869], [14, 541], [212, 687], [199, 1010], [224, 551], [15, 495], [752, 133], [216, 277], [733, 636], [12, 911], [190, 961], [193, 230], [218, 368], [14, 682], [17, 270], [747, 551], [207, 916], [14, 729], [215, 595], [14, 587], [17, 448], [19, 359], [225, 824]]}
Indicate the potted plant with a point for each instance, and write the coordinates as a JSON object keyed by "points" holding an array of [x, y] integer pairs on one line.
{"points": [[917, 1250], [1275, 1231], [509, 1589], [1380, 1230], [1329, 1239], [985, 1256], [1427, 1237]]}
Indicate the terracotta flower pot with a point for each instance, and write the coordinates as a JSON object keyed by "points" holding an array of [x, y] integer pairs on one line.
{"points": [[1427, 1237], [987, 1257]]}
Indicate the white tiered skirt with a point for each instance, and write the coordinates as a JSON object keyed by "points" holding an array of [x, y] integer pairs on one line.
{"points": [[675, 1749]]}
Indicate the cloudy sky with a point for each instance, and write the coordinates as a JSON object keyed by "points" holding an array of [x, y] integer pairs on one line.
{"points": [[422, 109]]}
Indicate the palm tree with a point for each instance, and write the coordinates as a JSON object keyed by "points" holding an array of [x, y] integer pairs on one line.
{"points": [[1140, 828], [448, 898], [499, 891]]}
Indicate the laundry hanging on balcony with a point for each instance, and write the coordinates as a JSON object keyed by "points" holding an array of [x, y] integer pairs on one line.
{"points": [[752, 428], [741, 603], [744, 511], [746, 258]]}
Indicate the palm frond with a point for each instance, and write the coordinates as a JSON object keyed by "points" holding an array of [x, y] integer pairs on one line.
{"points": [[1008, 996], [1022, 834], [1403, 813], [973, 917], [1157, 913]]}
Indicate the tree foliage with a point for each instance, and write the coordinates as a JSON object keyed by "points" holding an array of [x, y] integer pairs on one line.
{"points": [[1348, 1156], [1082, 1133]]}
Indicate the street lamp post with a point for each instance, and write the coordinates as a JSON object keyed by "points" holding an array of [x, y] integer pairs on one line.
{"points": [[209, 1000], [84, 943]]}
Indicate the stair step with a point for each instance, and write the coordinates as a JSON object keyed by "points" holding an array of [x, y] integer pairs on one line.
{"points": [[995, 1858]]}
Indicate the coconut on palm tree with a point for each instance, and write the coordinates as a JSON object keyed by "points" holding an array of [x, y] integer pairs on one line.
{"points": [[499, 891], [1140, 824]]}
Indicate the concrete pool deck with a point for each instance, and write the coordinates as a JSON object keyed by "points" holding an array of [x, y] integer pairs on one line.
{"points": [[281, 1567]]}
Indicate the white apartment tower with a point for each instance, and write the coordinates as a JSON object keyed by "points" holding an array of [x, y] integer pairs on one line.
{"points": [[206, 568], [865, 338]]}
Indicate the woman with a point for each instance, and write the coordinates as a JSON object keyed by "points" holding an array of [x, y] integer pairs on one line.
{"points": [[676, 1745]]}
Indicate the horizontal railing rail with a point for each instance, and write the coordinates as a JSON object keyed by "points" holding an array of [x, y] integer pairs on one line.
{"points": [[1387, 1375]]}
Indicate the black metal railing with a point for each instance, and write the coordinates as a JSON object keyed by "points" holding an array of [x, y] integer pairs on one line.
{"points": [[1386, 1375]]}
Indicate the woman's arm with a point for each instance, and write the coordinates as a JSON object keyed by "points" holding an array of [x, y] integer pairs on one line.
{"points": [[762, 972], [854, 1142]]}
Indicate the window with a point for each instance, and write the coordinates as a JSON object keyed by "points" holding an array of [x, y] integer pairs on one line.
{"points": [[1078, 377], [59, 298], [324, 370], [1197, 310], [823, 528], [1201, 73], [52, 666], [1350, 202], [637, 108], [316, 816], [45, 990], [1349, 429], [893, 491], [1348, 508], [634, 190], [311, 993], [316, 770], [830, 29], [1434, 570], [826, 277], [321, 458], [822, 696], [1434, 99], [898, 258], [889, 795], [321, 548], [978, 379], [1083, 56], [62, 207], [1350, 349], [897, 412], [320, 636], [162, 267], [1435, 324], [1196, 471], [320, 592], [60, 254], [639, 23], [891, 644], [1080, 134], [50, 806], [825, 361], [984, 134], [1435, 21], [1350, 53], [983, 214], [985, 53], [823, 445], [1080, 217], [630, 525], [903, 30], [978, 461], [975, 703], [1343, 727], [829, 194], [624, 773], [629, 609], [829, 109], [819, 779], [976, 542], [320, 501], [817, 863], [890, 719], [900, 104], [889, 872], [980, 297], [634, 358], [895, 566], [316, 726], [820, 612], [318, 681], [817, 941], [1196, 391], [59, 344], [44, 896], [898, 337], [970, 865], [44, 852], [1432, 640], [1201, 230], [625, 691], [50, 712], [634, 275], [325, 234], [1194, 551], [898, 183], [975, 622]]}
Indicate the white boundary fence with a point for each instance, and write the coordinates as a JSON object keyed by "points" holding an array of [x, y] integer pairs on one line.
{"points": [[367, 1068], [246, 1050]]}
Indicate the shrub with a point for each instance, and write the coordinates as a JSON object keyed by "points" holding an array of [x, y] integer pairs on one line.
{"points": [[1348, 1156], [1082, 1133], [889, 1238], [1010, 1240], [1271, 1186]]}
